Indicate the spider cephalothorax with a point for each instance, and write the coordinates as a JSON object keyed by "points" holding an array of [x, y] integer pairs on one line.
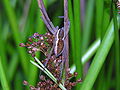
{"points": [[59, 42]]}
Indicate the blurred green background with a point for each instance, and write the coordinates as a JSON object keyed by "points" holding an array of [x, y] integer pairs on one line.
{"points": [[93, 39]]}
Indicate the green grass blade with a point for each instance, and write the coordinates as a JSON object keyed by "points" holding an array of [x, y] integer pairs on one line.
{"points": [[99, 58], [3, 52], [56, 20], [18, 82], [40, 24], [91, 51], [3, 78], [117, 47], [77, 32], [24, 16], [109, 74], [72, 32], [100, 81], [31, 16], [87, 25], [13, 66], [106, 18], [99, 17], [88, 54], [13, 22], [30, 30], [2, 45]]}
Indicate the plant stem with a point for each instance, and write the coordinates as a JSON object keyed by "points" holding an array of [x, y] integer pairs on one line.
{"points": [[66, 44]]}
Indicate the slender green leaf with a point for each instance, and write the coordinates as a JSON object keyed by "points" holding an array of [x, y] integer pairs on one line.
{"points": [[117, 47], [99, 17], [87, 25], [99, 58], [13, 22], [77, 32], [3, 78], [91, 50], [88, 54], [72, 32], [13, 66]]}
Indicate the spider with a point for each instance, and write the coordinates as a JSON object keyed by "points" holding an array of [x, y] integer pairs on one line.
{"points": [[58, 33]]}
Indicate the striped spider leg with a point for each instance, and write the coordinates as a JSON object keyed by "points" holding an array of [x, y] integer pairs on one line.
{"points": [[45, 17]]}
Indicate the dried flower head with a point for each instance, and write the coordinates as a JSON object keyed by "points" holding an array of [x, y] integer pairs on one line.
{"points": [[43, 43], [39, 42]]}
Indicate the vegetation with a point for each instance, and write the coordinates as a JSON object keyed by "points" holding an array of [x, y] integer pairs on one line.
{"points": [[94, 48]]}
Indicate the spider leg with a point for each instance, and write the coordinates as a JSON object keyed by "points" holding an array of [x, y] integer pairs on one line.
{"points": [[47, 25], [45, 17], [66, 31], [48, 22]]}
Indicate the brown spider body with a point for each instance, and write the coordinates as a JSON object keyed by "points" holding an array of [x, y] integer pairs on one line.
{"points": [[59, 42]]}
